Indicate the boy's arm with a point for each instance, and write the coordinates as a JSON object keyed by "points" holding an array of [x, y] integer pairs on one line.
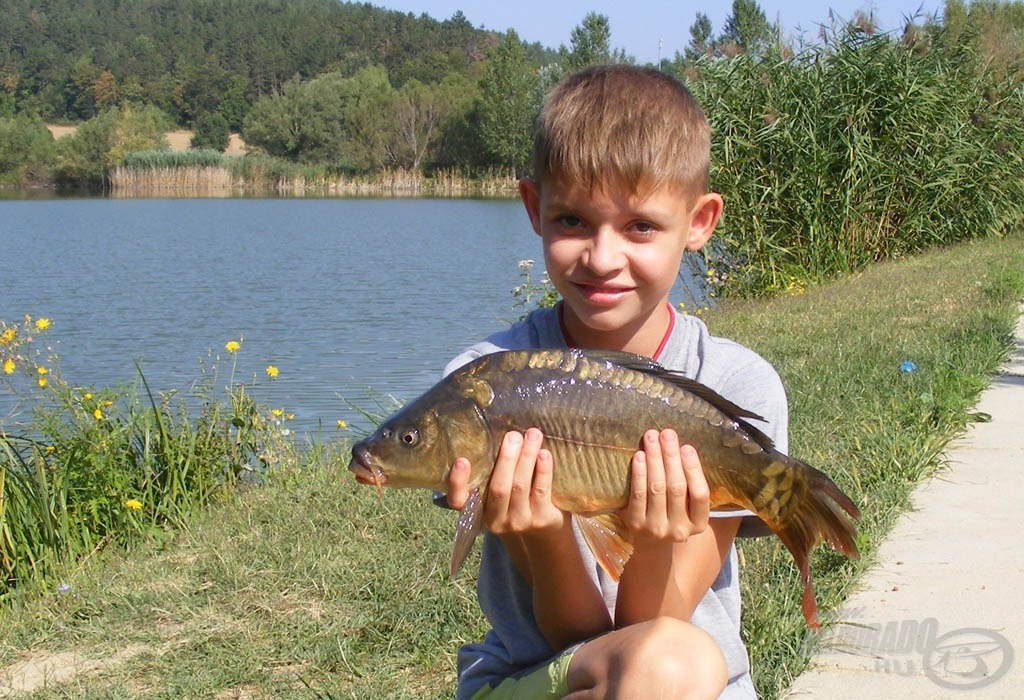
{"points": [[675, 559]]}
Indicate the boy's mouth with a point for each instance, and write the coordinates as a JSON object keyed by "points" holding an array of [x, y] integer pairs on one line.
{"points": [[601, 293]]}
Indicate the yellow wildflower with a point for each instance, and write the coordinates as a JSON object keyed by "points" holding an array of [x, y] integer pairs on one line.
{"points": [[8, 366], [277, 412], [42, 324], [133, 504], [232, 346], [8, 335], [342, 424], [41, 382], [97, 414], [272, 371], [40, 370], [87, 396], [290, 416]]}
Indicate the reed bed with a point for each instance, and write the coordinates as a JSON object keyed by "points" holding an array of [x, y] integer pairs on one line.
{"points": [[184, 180], [165, 173], [856, 151]]}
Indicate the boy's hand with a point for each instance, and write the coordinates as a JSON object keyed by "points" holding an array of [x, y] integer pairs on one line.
{"points": [[668, 494], [519, 491]]}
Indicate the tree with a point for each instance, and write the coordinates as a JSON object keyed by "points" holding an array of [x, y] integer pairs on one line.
{"points": [[747, 29], [590, 43], [211, 131], [25, 143], [101, 143], [701, 43], [506, 111]]}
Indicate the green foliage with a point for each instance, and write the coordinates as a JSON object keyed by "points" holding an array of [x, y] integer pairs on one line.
{"points": [[508, 106], [211, 131], [193, 158], [113, 465], [701, 42], [330, 119], [853, 152], [590, 43], [191, 57], [101, 143], [746, 29], [24, 142]]}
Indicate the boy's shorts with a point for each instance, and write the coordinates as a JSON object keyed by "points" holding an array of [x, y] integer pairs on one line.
{"points": [[549, 680]]}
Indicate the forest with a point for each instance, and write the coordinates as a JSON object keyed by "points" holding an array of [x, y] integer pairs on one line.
{"points": [[861, 146]]}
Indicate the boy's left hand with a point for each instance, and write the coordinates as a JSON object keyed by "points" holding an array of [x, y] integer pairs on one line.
{"points": [[669, 498]]}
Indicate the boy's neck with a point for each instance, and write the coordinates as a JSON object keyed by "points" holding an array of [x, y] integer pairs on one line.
{"points": [[639, 342]]}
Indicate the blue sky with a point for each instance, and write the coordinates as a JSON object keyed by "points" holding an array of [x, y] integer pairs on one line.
{"points": [[638, 25]]}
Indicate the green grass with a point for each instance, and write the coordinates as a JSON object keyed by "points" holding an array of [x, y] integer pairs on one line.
{"points": [[309, 587]]}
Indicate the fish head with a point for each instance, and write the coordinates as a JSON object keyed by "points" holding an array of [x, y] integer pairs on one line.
{"points": [[416, 447]]}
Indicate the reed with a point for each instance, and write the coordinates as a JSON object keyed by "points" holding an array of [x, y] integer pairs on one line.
{"points": [[856, 151]]}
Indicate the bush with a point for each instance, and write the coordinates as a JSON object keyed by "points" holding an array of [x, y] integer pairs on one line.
{"points": [[102, 142], [25, 143], [211, 131]]}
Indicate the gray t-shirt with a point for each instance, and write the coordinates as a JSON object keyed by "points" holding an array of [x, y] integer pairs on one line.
{"points": [[514, 646]]}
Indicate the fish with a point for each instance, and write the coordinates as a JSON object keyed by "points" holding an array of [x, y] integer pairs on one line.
{"points": [[593, 408]]}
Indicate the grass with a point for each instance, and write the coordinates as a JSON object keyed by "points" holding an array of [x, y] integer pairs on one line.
{"points": [[308, 587]]}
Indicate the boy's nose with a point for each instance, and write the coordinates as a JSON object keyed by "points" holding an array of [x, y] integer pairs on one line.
{"points": [[605, 253]]}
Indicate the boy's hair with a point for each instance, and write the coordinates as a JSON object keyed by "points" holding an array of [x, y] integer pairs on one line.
{"points": [[632, 127]]}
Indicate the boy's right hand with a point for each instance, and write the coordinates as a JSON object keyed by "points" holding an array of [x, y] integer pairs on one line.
{"points": [[519, 491]]}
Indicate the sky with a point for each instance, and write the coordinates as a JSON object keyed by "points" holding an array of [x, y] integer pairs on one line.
{"points": [[639, 26]]}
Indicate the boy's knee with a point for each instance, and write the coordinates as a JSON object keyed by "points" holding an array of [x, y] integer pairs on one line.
{"points": [[675, 660]]}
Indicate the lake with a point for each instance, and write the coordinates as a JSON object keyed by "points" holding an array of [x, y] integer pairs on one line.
{"points": [[353, 300]]}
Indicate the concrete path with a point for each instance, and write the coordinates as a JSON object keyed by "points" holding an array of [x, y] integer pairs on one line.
{"points": [[941, 615]]}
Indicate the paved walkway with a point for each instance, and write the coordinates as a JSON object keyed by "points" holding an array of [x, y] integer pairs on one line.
{"points": [[941, 615]]}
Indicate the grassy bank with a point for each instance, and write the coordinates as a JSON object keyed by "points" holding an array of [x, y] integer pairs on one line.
{"points": [[308, 587]]}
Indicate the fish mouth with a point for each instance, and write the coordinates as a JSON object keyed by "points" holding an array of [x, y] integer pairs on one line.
{"points": [[365, 471]]}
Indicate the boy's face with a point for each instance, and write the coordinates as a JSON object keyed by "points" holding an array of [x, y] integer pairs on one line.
{"points": [[614, 257]]}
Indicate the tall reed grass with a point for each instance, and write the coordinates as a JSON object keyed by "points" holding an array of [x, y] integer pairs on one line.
{"points": [[858, 150], [92, 467], [209, 173]]}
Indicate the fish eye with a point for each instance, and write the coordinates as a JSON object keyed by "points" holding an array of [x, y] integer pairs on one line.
{"points": [[410, 437]]}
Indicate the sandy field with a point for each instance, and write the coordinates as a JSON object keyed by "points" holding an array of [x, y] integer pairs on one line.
{"points": [[177, 140]]}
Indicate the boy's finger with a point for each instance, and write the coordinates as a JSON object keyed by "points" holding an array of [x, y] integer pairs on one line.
{"points": [[676, 482], [635, 512], [543, 477], [526, 463], [458, 483], [656, 477], [698, 492], [499, 489]]}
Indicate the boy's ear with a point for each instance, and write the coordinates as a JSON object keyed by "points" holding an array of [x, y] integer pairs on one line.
{"points": [[530, 195], [703, 219]]}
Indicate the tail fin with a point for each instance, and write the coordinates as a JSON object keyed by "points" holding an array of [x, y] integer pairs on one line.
{"points": [[824, 513]]}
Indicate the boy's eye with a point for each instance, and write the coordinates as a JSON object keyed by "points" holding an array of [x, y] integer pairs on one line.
{"points": [[644, 229], [569, 221]]}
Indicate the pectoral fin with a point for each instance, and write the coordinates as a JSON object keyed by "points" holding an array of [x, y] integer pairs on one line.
{"points": [[469, 525], [608, 539]]}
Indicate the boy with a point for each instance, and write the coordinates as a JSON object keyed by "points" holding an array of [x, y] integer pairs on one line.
{"points": [[620, 191]]}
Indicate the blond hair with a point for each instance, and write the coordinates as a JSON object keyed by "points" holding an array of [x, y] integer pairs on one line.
{"points": [[622, 125]]}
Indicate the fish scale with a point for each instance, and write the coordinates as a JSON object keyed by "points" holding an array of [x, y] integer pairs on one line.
{"points": [[593, 408]]}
